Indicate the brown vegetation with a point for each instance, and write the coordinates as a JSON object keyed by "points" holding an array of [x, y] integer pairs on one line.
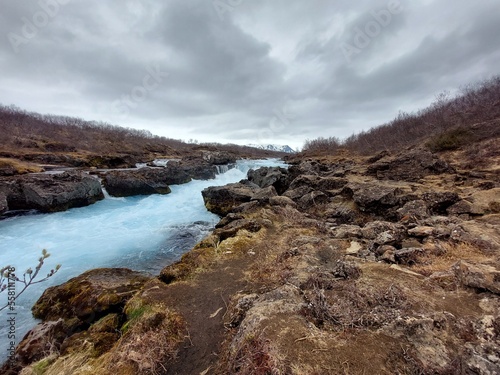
{"points": [[446, 122], [28, 135]]}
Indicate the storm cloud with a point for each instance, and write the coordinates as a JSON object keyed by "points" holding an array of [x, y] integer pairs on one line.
{"points": [[242, 71]]}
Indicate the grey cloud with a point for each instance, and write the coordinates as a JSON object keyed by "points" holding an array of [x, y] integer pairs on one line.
{"points": [[228, 77]]}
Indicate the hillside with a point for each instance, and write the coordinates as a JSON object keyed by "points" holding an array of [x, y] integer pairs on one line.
{"points": [[444, 125], [342, 264], [30, 139]]}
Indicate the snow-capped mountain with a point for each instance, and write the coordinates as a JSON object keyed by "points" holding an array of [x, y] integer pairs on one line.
{"points": [[278, 148]]}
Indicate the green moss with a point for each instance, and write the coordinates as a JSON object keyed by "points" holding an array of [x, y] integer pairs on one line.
{"points": [[134, 310], [41, 366]]}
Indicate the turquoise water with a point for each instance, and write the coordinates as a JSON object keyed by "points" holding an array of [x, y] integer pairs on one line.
{"points": [[143, 233]]}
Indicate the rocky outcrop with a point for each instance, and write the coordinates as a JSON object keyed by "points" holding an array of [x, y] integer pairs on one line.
{"points": [[49, 192], [409, 166], [92, 294], [270, 176], [218, 157], [94, 300], [3, 204], [144, 181], [223, 199]]}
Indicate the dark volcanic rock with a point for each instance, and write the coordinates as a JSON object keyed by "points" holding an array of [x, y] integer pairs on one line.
{"points": [[265, 194], [438, 202], [409, 166], [68, 310], [223, 199], [234, 227], [218, 157], [3, 203], [144, 181], [90, 295], [375, 198], [50, 192], [270, 176]]}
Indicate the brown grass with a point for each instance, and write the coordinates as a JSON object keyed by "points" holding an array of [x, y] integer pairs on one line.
{"points": [[18, 166], [446, 255], [257, 357]]}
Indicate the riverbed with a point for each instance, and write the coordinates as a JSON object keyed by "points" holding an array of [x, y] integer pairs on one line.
{"points": [[143, 233]]}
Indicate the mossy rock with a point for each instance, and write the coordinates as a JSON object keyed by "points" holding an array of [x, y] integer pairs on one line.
{"points": [[89, 296]]}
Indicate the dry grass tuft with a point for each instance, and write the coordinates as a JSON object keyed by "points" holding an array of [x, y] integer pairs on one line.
{"points": [[446, 255], [350, 306], [257, 357], [14, 166]]}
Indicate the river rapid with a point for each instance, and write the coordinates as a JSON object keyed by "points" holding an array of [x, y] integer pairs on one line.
{"points": [[143, 233]]}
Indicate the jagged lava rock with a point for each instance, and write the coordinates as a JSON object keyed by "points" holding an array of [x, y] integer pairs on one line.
{"points": [[409, 165], [50, 192], [223, 199], [144, 181], [270, 176]]}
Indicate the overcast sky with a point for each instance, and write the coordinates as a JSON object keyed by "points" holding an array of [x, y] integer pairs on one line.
{"points": [[242, 71]]}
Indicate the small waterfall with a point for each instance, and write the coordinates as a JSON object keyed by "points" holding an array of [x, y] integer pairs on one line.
{"points": [[221, 169]]}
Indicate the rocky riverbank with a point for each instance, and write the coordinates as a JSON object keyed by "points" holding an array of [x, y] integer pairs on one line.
{"points": [[339, 264], [54, 192]]}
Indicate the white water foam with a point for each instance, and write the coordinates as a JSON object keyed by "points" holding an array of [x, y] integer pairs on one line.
{"points": [[144, 233]]}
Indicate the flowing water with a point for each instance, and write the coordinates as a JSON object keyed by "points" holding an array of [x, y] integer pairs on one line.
{"points": [[144, 233]]}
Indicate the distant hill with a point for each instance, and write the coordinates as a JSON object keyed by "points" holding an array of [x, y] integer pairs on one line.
{"points": [[50, 139], [277, 148], [446, 124]]}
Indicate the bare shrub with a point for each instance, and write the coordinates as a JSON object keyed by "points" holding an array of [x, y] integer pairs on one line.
{"points": [[474, 104]]}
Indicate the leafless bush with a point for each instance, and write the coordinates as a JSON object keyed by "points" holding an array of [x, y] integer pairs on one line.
{"points": [[28, 130], [474, 104]]}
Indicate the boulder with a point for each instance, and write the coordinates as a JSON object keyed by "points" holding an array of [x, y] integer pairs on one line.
{"points": [[144, 181], [270, 176], [94, 299], [318, 183], [296, 194], [383, 232], [263, 195], [281, 201], [90, 295], [223, 199], [416, 209], [347, 231], [409, 165], [234, 227], [51, 192], [438, 202], [478, 276], [343, 211], [312, 199], [218, 157], [46, 337], [459, 208], [421, 231], [195, 168], [375, 198]]}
